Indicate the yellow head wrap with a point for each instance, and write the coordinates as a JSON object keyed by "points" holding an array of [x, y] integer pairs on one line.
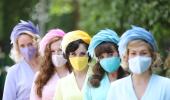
{"points": [[73, 36]]}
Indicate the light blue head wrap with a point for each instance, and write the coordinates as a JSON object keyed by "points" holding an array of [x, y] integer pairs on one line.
{"points": [[22, 27], [134, 34], [101, 36]]}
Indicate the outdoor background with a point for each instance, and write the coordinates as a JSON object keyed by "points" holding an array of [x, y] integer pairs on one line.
{"points": [[88, 15]]}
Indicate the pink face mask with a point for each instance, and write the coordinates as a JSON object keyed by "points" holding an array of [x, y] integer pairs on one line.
{"points": [[58, 60], [28, 52]]}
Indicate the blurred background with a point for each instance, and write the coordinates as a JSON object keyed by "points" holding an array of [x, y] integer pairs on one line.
{"points": [[90, 16]]}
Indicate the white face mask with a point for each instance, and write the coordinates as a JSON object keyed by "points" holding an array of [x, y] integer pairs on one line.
{"points": [[58, 60], [139, 64]]}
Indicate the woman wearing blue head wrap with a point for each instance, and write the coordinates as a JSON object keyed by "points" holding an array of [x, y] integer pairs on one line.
{"points": [[24, 52], [138, 50], [104, 48]]}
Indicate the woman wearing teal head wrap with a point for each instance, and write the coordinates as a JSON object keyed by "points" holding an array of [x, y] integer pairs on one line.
{"points": [[137, 48], [103, 47]]}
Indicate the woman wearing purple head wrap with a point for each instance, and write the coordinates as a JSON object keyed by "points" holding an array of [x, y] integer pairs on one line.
{"points": [[24, 52], [54, 66], [138, 50]]}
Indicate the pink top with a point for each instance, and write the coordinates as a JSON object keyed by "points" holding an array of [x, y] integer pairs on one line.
{"points": [[48, 90]]}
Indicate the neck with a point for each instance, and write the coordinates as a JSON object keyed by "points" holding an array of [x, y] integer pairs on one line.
{"points": [[80, 77], [80, 73], [62, 71], [112, 76], [34, 64], [140, 78]]}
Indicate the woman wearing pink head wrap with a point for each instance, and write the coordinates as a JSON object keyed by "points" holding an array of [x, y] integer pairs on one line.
{"points": [[53, 66]]}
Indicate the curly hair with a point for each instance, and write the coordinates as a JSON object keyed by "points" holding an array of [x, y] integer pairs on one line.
{"points": [[47, 69], [98, 71]]}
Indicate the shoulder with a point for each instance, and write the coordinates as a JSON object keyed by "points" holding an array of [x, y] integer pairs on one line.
{"points": [[15, 68], [163, 81], [66, 79], [117, 87], [120, 82]]}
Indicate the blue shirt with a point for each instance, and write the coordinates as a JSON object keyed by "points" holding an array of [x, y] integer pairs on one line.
{"points": [[18, 82], [99, 93]]}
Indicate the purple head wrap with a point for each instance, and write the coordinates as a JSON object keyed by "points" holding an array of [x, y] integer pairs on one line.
{"points": [[23, 27]]}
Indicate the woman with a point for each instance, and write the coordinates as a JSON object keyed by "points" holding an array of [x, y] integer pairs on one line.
{"points": [[24, 39], [74, 46], [103, 47], [53, 66], [138, 49]]}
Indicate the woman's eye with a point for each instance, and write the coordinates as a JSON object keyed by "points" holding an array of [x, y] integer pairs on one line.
{"points": [[22, 46], [29, 44], [144, 53], [82, 53], [133, 53], [110, 54]]}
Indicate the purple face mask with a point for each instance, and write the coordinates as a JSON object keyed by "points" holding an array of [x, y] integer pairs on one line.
{"points": [[28, 52]]}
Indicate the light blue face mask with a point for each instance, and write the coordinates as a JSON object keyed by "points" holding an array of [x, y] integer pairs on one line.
{"points": [[140, 64], [110, 64]]}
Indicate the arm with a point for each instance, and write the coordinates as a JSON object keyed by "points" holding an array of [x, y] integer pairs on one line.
{"points": [[10, 89]]}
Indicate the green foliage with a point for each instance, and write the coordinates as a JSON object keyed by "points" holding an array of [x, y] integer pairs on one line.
{"points": [[62, 15], [60, 7], [120, 14]]}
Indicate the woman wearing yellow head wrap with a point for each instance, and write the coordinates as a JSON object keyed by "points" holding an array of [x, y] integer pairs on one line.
{"points": [[74, 45], [73, 36]]}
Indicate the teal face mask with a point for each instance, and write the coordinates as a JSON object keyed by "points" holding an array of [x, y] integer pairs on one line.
{"points": [[110, 64]]}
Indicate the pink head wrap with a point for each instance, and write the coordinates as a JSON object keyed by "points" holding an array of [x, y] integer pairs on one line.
{"points": [[53, 33]]}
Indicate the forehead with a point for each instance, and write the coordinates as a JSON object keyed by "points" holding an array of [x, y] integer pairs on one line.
{"points": [[24, 38], [81, 48], [56, 45], [105, 48], [138, 46]]}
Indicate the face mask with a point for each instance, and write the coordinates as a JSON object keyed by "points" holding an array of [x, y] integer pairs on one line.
{"points": [[110, 64], [28, 52], [139, 64], [79, 63], [58, 60]]}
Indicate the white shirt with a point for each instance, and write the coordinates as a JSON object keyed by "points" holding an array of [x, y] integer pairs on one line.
{"points": [[158, 89], [18, 82]]}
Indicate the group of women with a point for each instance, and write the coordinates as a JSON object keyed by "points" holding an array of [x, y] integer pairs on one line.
{"points": [[74, 66]]}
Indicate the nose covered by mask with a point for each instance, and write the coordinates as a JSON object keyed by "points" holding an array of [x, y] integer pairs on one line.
{"points": [[28, 52], [110, 64], [79, 63], [58, 60], [139, 64]]}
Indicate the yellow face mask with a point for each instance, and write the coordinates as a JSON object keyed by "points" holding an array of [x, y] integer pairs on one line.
{"points": [[79, 63]]}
